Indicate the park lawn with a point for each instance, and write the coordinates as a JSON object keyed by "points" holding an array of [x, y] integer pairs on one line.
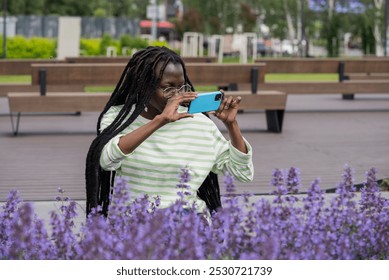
{"points": [[15, 79], [306, 77], [99, 88]]}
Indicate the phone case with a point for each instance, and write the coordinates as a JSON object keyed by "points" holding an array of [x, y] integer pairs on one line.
{"points": [[206, 102]]}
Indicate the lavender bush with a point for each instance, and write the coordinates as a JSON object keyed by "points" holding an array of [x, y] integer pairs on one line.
{"points": [[286, 226]]}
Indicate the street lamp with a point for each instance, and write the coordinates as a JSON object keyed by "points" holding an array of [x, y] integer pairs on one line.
{"points": [[303, 37], [4, 29], [153, 4], [386, 11]]}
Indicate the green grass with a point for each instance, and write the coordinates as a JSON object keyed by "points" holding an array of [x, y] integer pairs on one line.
{"points": [[22, 79], [99, 89], [301, 77]]}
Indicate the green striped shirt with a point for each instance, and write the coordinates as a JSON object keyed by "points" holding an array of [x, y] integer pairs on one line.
{"points": [[153, 168]]}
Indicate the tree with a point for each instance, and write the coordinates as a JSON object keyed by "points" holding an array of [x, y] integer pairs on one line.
{"points": [[68, 7], [23, 7]]}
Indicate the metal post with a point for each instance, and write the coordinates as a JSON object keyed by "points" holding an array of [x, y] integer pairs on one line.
{"points": [[42, 81], [154, 20], [386, 11], [4, 29], [303, 39], [254, 80]]}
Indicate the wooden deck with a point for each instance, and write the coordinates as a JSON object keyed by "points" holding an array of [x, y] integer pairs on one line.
{"points": [[320, 135]]}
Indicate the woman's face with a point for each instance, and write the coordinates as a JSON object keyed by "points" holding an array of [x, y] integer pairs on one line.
{"points": [[173, 76]]}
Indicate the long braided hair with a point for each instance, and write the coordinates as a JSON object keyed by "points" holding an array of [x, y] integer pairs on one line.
{"points": [[136, 86]]}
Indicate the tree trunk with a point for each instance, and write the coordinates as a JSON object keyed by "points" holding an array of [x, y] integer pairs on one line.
{"points": [[379, 51]]}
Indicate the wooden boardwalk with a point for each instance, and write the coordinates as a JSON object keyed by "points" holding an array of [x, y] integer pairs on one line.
{"points": [[320, 135]]}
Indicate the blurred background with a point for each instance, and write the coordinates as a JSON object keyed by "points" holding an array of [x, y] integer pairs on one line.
{"points": [[229, 29]]}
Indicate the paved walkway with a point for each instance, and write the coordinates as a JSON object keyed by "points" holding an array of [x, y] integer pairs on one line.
{"points": [[321, 133]]}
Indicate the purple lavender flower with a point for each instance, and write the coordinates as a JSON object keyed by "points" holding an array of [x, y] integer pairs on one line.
{"points": [[293, 181], [229, 183], [371, 199], [245, 228], [184, 177], [278, 182]]}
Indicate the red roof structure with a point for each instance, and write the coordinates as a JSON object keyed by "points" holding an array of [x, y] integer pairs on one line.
{"points": [[160, 24]]}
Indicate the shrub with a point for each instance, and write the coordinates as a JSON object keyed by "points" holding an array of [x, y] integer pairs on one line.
{"points": [[160, 44], [35, 47], [126, 41], [282, 226], [108, 41], [90, 47]]}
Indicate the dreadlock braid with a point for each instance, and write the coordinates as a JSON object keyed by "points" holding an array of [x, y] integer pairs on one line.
{"points": [[135, 87]]}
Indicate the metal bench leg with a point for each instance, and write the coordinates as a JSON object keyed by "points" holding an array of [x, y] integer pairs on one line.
{"points": [[15, 129], [343, 77], [274, 120], [348, 96]]}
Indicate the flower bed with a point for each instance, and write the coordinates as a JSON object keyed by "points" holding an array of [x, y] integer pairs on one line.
{"points": [[288, 226]]}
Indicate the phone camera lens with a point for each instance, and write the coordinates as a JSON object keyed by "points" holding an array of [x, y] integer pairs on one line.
{"points": [[218, 97]]}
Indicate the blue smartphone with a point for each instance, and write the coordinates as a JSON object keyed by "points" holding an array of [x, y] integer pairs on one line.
{"points": [[206, 102]]}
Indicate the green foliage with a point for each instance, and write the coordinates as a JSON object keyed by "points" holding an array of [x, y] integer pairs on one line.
{"points": [[90, 47], [384, 185], [98, 46], [68, 7], [20, 47], [160, 44], [126, 41], [108, 41], [24, 7], [100, 12]]}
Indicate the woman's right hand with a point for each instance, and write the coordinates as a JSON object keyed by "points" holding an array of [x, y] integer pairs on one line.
{"points": [[170, 113]]}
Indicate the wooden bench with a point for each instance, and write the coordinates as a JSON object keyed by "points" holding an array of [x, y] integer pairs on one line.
{"points": [[124, 59], [346, 70], [34, 102], [108, 74], [369, 69], [273, 102], [22, 66], [224, 76], [19, 88]]}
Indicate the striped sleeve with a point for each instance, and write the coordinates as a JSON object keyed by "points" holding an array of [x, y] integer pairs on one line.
{"points": [[111, 155], [109, 116], [228, 158]]}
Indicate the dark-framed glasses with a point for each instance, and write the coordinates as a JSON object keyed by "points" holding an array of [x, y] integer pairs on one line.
{"points": [[170, 91]]}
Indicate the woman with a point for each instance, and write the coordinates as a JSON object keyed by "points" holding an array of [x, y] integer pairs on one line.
{"points": [[145, 134]]}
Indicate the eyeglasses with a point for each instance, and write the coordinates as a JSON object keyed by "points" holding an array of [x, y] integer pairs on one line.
{"points": [[170, 91]]}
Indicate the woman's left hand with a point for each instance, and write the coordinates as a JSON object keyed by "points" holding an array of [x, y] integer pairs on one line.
{"points": [[228, 109]]}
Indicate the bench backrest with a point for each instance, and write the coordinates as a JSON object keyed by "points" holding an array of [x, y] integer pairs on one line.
{"points": [[287, 65], [109, 73], [22, 66], [124, 59], [95, 102], [324, 65]]}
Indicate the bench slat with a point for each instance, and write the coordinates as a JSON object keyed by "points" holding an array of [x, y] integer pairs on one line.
{"points": [[89, 102], [266, 100], [272, 101], [357, 86], [57, 102], [325, 65], [9, 88], [109, 73]]}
